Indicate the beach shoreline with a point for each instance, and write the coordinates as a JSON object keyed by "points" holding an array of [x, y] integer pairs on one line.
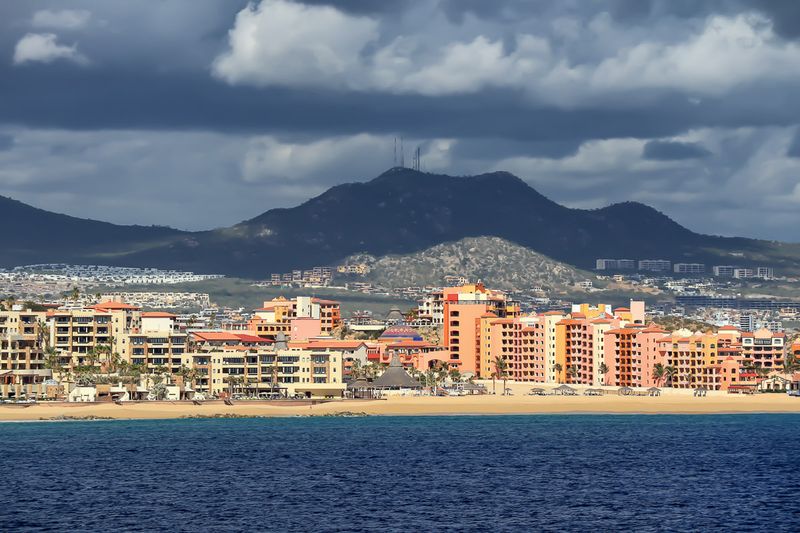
{"points": [[670, 404]]}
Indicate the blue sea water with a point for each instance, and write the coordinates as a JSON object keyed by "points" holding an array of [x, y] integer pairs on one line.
{"points": [[498, 473]]}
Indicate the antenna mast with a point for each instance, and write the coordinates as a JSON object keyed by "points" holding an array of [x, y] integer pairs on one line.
{"points": [[402, 154]]}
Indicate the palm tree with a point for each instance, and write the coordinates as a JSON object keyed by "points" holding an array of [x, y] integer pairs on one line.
{"points": [[442, 371], [501, 371], [455, 375], [355, 368], [761, 371], [572, 372], [659, 372], [52, 361], [790, 364], [92, 356], [603, 368], [184, 372], [430, 379], [670, 372], [558, 368], [232, 380]]}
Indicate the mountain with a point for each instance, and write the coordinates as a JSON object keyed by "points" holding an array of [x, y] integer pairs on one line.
{"points": [[497, 262], [404, 211], [33, 235]]}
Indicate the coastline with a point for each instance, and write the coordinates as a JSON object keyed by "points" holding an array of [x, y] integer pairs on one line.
{"points": [[412, 406]]}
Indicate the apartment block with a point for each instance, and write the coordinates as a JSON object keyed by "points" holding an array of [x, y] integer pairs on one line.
{"points": [[615, 264], [463, 308], [689, 268], [655, 265], [276, 315], [724, 271], [23, 368], [764, 272], [763, 348], [313, 374]]}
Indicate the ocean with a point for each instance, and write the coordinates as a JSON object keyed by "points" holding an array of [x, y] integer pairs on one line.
{"points": [[460, 473]]}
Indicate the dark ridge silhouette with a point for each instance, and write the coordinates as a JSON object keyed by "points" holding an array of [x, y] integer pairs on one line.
{"points": [[400, 211]]}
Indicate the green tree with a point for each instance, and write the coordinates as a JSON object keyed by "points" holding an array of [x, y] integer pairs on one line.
{"points": [[790, 364], [669, 373], [558, 368], [356, 369], [572, 372], [455, 375], [603, 368], [500, 372], [659, 372]]}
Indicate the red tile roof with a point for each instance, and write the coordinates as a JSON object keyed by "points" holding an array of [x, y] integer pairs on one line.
{"points": [[114, 306]]}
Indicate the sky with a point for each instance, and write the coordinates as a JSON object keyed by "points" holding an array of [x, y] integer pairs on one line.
{"points": [[201, 114]]}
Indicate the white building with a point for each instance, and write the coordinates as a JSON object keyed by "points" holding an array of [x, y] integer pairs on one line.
{"points": [[654, 265], [689, 268]]}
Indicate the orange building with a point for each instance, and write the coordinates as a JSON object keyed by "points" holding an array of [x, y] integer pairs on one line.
{"points": [[463, 309], [276, 316], [763, 348]]}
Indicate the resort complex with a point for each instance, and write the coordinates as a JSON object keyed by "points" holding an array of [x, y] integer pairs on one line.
{"points": [[455, 342]]}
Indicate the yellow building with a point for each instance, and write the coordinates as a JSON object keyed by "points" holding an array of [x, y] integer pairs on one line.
{"points": [[309, 373], [23, 367], [75, 333]]}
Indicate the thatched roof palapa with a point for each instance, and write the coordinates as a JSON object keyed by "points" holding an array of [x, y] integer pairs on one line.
{"points": [[395, 377]]}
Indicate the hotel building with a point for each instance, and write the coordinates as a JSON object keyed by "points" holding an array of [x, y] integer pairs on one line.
{"points": [[23, 367]]}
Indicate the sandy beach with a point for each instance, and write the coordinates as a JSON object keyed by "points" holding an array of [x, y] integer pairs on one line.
{"points": [[670, 402]]}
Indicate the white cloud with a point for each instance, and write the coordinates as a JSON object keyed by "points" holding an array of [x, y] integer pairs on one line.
{"points": [[728, 52], [64, 19], [464, 67], [287, 43], [44, 48]]}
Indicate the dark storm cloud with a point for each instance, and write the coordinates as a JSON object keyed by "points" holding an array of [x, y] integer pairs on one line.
{"points": [[117, 99], [493, 149], [794, 146], [6, 141], [149, 108], [671, 151], [785, 15], [363, 7]]}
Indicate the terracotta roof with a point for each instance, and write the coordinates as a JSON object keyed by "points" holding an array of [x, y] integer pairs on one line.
{"points": [[324, 302], [244, 337], [229, 336], [157, 314], [113, 306], [215, 336], [332, 343]]}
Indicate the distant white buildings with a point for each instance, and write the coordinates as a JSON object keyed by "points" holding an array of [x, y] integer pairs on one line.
{"points": [[655, 265], [689, 268]]}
